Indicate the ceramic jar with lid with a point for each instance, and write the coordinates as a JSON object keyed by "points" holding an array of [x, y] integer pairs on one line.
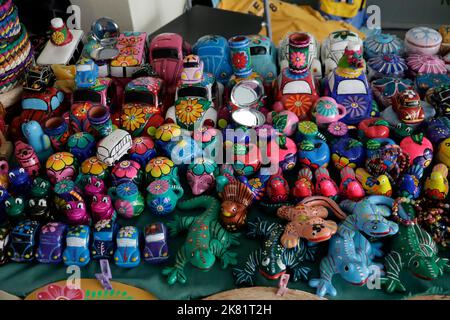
{"points": [[423, 40]]}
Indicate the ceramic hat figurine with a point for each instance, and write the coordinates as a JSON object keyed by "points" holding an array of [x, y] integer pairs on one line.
{"points": [[423, 40], [61, 35], [381, 44]]}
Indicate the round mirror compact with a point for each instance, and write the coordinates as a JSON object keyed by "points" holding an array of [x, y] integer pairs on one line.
{"points": [[105, 31], [102, 53], [248, 117], [247, 93]]}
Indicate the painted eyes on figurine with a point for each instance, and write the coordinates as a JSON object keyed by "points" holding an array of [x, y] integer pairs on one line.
{"points": [[416, 264], [43, 184], [105, 199], [21, 170], [68, 207], [280, 264], [19, 201], [94, 198], [7, 204], [346, 269], [42, 203], [31, 203], [80, 206], [98, 184], [1, 193], [11, 175], [265, 262]]}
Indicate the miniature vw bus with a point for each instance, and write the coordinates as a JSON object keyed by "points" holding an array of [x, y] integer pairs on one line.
{"points": [[113, 147]]}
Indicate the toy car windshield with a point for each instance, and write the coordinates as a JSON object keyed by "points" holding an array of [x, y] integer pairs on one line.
{"points": [[125, 242], [190, 64], [192, 91], [163, 53], [258, 51], [351, 87], [297, 87], [155, 237], [76, 242], [139, 97], [413, 103]]}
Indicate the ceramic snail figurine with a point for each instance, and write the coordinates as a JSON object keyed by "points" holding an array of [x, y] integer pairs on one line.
{"points": [[304, 186], [436, 185], [409, 183], [412, 249], [350, 188], [201, 175], [37, 139], [102, 208], [20, 181], [307, 220], [76, 213], [236, 199], [325, 186], [27, 158], [419, 149], [272, 260], [206, 240], [348, 152]]}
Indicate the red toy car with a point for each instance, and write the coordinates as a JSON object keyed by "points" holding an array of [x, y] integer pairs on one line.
{"points": [[408, 107]]}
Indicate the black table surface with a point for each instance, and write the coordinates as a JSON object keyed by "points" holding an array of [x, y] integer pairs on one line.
{"points": [[201, 20]]}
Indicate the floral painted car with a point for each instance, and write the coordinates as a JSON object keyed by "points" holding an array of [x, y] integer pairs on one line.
{"points": [[213, 50], [51, 242], [192, 69], [86, 73], [77, 246], [127, 254], [166, 56], [103, 92], [103, 245], [156, 249], [143, 110], [264, 57], [333, 48], [408, 107], [23, 241]]}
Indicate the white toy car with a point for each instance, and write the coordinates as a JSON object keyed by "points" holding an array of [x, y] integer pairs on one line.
{"points": [[114, 146]]}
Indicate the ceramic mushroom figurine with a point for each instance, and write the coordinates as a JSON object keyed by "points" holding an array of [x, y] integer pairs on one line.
{"points": [[237, 198], [307, 220]]}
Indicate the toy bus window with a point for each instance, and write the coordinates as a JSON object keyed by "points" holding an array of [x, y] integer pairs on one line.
{"points": [[351, 87], [165, 53], [297, 87], [258, 51], [103, 152]]}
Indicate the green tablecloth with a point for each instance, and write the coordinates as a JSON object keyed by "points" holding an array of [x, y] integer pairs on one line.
{"points": [[22, 278]]}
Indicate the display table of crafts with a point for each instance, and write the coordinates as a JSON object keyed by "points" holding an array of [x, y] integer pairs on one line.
{"points": [[23, 278]]}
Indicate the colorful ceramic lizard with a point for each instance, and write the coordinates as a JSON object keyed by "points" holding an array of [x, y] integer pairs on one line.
{"points": [[412, 249], [273, 260], [206, 239]]}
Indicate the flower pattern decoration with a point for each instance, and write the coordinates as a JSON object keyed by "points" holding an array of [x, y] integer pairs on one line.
{"points": [[341, 162], [102, 224], [56, 292], [127, 170], [125, 61], [161, 205], [242, 169], [426, 64], [58, 161], [425, 159], [338, 129], [239, 60], [125, 209], [127, 232], [189, 111], [298, 59], [80, 140], [50, 227], [93, 166], [159, 166], [133, 118], [127, 189], [158, 187], [203, 165], [58, 38], [299, 104], [142, 145], [356, 106], [167, 131]]}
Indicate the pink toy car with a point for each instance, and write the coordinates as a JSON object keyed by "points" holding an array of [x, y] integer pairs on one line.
{"points": [[192, 70], [166, 56]]}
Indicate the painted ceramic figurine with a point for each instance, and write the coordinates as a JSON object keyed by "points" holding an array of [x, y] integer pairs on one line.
{"points": [[350, 188], [27, 158], [102, 208], [127, 254], [40, 188], [94, 186], [60, 166], [409, 184], [82, 145], [128, 201], [20, 181], [206, 239], [201, 175], [374, 128], [422, 40], [77, 246], [156, 248], [277, 189], [313, 153], [408, 107], [307, 220], [443, 153], [38, 140], [15, 208], [374, 185], [142, 150], [22, 246], [436, 185], [76, 213], [304, 186], [39, 209], [412, 249], [419, 149], [325, 186], [348, 152], [51, 242], [236, 199], [103, 244], [326, 111], [126, 171], [163, 195], [272, 260]]}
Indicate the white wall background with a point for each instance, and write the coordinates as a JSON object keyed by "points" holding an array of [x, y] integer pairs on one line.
{"points": [[131, 15]]}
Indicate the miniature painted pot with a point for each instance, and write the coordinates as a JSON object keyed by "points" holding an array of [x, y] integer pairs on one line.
{"points": [[142, 150], [422, 40], [163, 196], [337, 130], [387, 65], [327, 110], [58, 131], [381, 44], [61, 166], [160, 167], [240, 56], [286, 156], [128, 201], [100, 119], [285, 121], [348, 152], [82, 145], [126, 171], [78, 117], [299, 52]]}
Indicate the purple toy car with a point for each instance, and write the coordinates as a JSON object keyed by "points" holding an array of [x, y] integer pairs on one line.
{"points": [[156, 249], [51, 243]]}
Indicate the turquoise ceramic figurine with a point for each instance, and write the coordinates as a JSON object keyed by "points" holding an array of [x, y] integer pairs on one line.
{"points": [[36, 137]]}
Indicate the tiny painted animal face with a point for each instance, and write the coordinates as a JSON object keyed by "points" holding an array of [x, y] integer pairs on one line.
{"points": [[200, 183], [233, 215], [4, 194], [424, 267], [101, 203], [14, 206], [39, 208], [354, 272], [75, 210], [19, 177], [40, 187], [95, 186]]}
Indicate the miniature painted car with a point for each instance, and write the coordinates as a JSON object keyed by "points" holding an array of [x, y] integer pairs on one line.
{"points": [[23, 241], [264, 57], [440, 99], [314, 65], [51, 242], [214, 52], [102, 92], [127, 254], [113, 147], [4, 239], [408, 107], [156, 249], [143, 109], [39, 78], [166, 56], [333, 48], [77, 246], [86, 74], [192, 70], [353, 93], [103, 245]]}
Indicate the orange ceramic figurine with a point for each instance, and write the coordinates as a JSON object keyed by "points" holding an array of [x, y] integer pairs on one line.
{"points": [[307, 220], [237, 197]]}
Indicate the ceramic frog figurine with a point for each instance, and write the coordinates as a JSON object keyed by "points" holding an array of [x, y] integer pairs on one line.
{"points": [[40, 188]]}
